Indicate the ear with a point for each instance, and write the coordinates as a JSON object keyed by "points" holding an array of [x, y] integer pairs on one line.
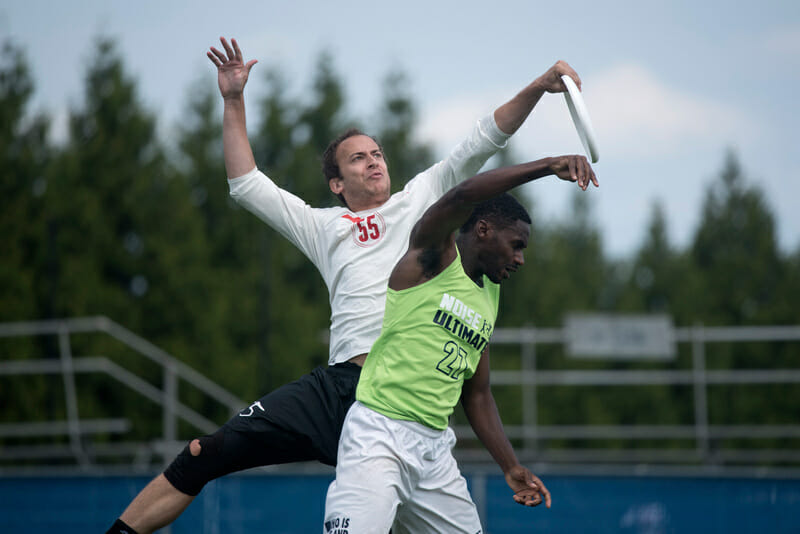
{"points": [[483, 228], [336, 185]]}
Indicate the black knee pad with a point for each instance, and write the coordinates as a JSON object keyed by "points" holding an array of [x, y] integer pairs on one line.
{"points": [[189, 473]]}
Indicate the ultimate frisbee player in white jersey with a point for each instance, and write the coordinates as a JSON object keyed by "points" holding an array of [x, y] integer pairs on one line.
{"points": [[354, 247]]}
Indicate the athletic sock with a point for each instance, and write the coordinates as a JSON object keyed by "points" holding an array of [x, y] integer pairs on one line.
{"points": [[119, 527]]}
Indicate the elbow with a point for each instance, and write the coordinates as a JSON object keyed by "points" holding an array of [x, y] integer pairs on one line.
{"points": [[465, 193]]}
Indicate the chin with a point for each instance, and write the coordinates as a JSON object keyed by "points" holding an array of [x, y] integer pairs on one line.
{"points": [[496, 279]]}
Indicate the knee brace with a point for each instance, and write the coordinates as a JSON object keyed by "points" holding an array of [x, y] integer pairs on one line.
{"points": [[189, 473]]}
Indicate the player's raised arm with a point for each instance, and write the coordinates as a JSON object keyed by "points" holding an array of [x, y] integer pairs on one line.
{"points": [[510, 116], [232, 75], [431, 246], [449, 212]]}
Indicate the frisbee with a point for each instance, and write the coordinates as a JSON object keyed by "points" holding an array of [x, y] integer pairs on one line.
{"points": [[580, 118]]}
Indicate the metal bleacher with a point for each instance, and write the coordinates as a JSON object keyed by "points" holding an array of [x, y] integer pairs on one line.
{"points": [[73, 444], [87, 454]]}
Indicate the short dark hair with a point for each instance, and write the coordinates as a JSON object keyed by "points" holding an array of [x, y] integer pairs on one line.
{"points": [[330, 167], [502, 210]]}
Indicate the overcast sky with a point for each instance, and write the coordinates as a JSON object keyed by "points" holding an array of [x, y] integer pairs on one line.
{"points": [[670, 85]]}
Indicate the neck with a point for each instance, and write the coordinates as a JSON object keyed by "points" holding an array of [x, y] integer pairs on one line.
{"points": [[365, 203], [469, 261]]}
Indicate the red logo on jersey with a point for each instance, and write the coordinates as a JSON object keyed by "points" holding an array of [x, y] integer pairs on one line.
{"points": [[352, 219], [367, 231]]}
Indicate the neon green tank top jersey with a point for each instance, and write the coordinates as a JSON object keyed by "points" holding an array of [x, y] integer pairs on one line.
{"points": [[432, 338]]}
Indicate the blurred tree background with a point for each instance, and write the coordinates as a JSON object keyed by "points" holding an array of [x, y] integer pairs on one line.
{"points": [[116, 221]]}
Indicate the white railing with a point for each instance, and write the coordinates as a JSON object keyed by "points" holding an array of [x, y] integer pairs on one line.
{"points": [[87, 454], [534, 436]]}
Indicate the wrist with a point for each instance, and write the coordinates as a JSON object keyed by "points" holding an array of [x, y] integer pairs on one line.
{"points": [[542, 167], [507, 470], [554, 165], [537, 88], [233, 98]]}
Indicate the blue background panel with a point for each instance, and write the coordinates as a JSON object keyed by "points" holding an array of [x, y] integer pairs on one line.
{"points": [[295, 503]]}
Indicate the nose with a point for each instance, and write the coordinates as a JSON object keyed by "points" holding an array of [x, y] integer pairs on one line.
{"points": [[519, 258]]}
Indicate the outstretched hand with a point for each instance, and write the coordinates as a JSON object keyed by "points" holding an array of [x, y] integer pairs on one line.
{"points": [[574, 169], [551, 80], [528, 489], [232, 71]]}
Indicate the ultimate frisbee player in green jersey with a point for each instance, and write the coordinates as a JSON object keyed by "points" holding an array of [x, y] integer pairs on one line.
{"points": [[395, 467]]}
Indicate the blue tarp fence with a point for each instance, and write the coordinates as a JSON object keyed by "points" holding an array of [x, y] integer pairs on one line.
{"points": [[294, 504]]}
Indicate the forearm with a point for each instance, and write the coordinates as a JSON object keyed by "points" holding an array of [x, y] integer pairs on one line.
{"points": [[450, 212], [510, 116], [239, 158], [496, 181], [482, 414], [465, 159]]}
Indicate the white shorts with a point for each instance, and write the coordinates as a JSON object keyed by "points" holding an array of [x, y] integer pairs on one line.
{"points": [[399, 475]]}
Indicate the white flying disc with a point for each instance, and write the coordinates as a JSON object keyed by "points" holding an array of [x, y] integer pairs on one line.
{"points": [[580, 117]]}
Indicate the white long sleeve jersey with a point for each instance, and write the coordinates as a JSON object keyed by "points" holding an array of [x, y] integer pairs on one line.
{"points": [[356, 252]]}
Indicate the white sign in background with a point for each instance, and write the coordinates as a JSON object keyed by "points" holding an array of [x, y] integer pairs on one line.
{"points": [[629, 337]]}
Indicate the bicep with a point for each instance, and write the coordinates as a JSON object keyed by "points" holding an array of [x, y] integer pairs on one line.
{"points": [[285, 212], [436, 227], [478, 384]]}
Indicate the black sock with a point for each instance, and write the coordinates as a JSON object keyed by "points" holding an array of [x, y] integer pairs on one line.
{"points": [[119, 527]]}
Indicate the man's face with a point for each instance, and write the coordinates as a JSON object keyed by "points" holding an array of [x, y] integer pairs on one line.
{"points": [[502, 253], [364, 177]]}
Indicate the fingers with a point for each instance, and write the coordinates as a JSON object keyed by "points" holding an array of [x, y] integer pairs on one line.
{"points": [[552, 78], [532, 492], [227, 47], [592, 177], [528, 498], [232, 53], [583, 178], [573, 170], [237, 51], [543, 491], [534, 496], [580, 171], [216, 57], [565, 68], [587, 175]]}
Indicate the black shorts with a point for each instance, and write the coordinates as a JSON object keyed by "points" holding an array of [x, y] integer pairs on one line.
{"points": [[300, 421]]}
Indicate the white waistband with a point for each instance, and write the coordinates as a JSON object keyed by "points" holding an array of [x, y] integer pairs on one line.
{"points": [[413, 426]]}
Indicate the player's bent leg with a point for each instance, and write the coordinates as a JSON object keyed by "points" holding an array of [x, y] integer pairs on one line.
{"points": [[278, 428], [201, 461], [168, 495]]}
